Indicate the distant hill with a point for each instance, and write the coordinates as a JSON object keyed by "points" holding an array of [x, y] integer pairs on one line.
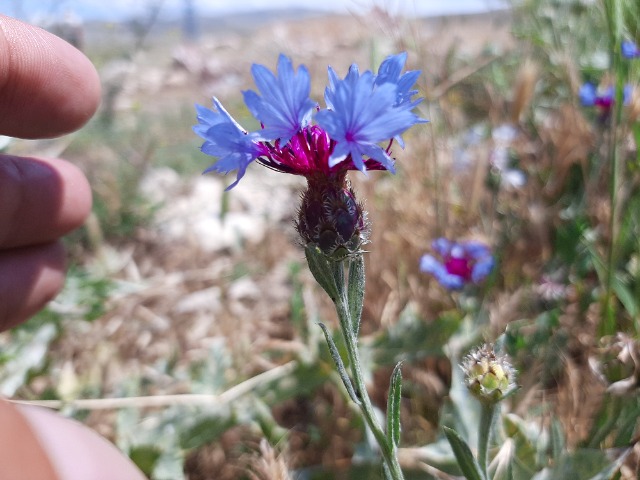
{"points": [[96, 31]]}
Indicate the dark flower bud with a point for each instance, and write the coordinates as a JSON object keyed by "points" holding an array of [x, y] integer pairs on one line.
{"points": [[331, 218]]}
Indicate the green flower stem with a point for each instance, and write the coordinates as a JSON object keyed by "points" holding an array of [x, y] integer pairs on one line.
{"points": [[613, 11], [487, 417], [388, 450], [330, 275]]}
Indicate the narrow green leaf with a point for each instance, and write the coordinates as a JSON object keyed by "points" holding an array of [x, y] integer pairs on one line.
{"points": [[609, 470], [355, 291], [636, 134], [468, 464], [323, 271], [586, 463], [626, 297], [557, 438], [339, 364], [393, 406]]}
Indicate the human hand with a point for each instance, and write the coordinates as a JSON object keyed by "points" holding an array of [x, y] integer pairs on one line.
{"points": [[47, 89]]}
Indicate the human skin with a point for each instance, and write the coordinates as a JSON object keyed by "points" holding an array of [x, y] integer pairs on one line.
{"points": [[47, 89]]}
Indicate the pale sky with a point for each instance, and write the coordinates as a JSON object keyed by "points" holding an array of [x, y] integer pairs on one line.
{"points": [[124, 9]]}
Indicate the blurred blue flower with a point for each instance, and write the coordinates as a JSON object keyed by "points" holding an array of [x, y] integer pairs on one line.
{"points": [[630, 49], [459, 263], [363, 110], [602, 97]]}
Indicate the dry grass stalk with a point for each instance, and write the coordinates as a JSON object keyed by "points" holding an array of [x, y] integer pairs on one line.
{"points": [[523, 90]]}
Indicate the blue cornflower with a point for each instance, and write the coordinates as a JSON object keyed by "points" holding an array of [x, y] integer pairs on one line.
{"points": [[362, 111], [361, 115], [460, 263], [630, 49]]}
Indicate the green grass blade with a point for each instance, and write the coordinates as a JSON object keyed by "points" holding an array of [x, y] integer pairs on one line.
{"points": [[468, 464], [393, 406]]}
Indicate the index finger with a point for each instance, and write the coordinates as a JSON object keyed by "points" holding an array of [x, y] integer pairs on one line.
{"points": [[47, 87]]}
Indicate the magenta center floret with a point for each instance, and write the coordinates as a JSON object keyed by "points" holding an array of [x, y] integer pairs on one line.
{"points": [[460, 267]]}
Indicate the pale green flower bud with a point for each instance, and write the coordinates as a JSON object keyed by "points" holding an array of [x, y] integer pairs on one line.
{"points": [[489, 376]]}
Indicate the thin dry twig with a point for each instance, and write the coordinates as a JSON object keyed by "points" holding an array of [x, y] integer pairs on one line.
{"points": [[226, 397], [459, 76]]}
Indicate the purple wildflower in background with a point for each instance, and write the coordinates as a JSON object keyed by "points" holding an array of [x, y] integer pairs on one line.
{"points": [[592, 96], [630, 49], [459, 263], [362, 111], [603, 98]]}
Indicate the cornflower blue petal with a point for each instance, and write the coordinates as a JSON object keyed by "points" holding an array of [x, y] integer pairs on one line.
{"points": [[588, 94], [476, 250], [226, 139], [630, 49], [626, 94], [391, 68], [207, 118], [342, 150], [442, 246], [450, 281], [429, 264], [284, 107], [328, 93], [390, 72], [378, 154], [233, 161], [457, 251], [405, 83], [482, 268]]}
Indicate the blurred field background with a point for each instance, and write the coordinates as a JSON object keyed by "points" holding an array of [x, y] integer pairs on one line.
{"points": [[187, 333]]}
